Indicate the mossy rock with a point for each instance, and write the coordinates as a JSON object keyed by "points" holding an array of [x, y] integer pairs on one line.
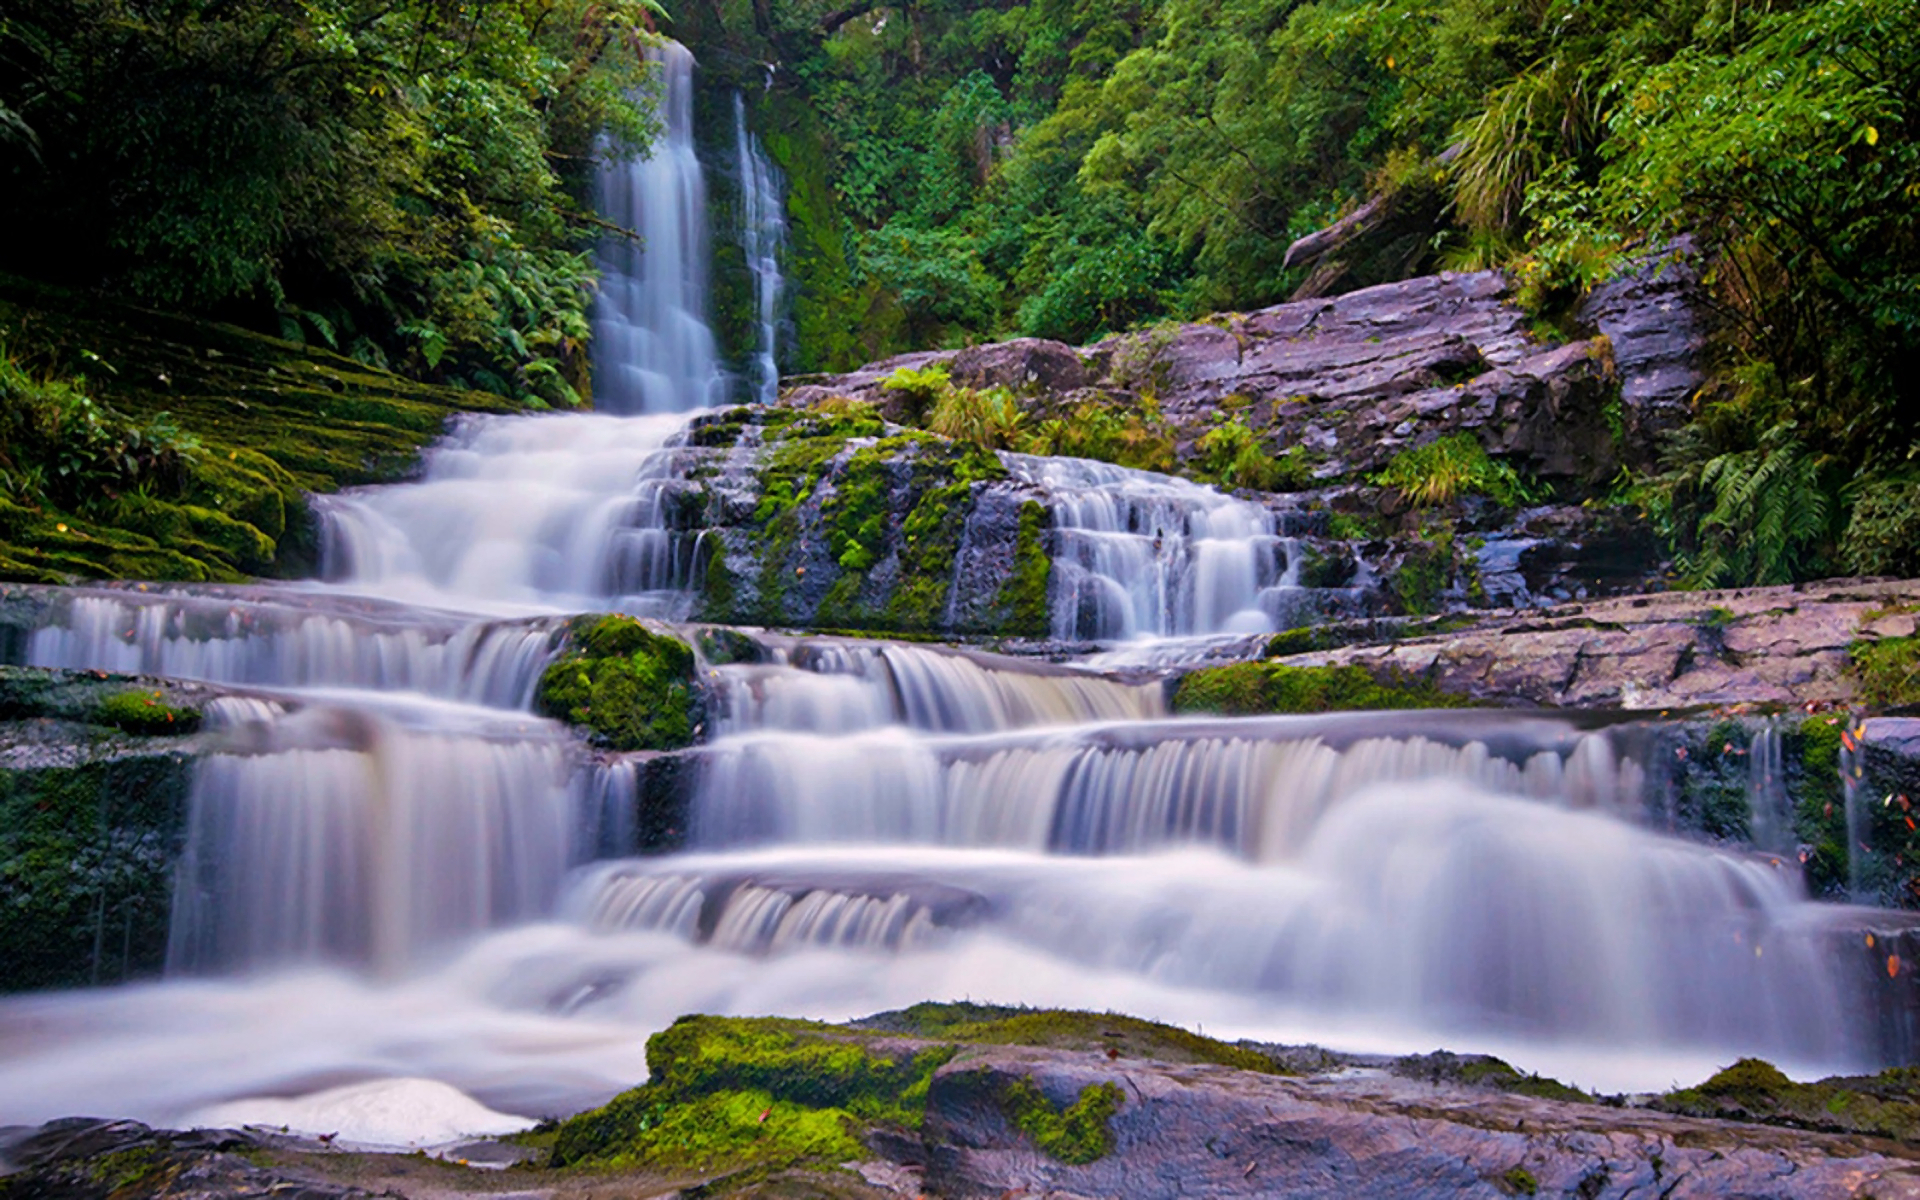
{"points": [[1248, 689], [1484, 1071], [627, 686], [134, 704], [1883, 1105], [769, 1092]]}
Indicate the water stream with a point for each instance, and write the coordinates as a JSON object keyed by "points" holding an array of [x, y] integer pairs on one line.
{"points": [[401, 883]]}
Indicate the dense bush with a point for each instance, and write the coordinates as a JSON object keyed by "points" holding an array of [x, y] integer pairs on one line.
{"points": [[400, 181]]}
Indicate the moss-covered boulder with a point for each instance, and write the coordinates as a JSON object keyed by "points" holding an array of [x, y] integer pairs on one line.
{"points": [[627, 686], [745, 1092], [1249, 689]]}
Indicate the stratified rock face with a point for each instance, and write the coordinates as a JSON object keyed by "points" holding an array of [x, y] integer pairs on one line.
{"points": [[1652, 322], [1204, 1131], [1353, 379], [1777, 645]]}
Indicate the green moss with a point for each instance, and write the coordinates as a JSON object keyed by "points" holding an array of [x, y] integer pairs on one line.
{"points": [[1021, 608], [1076, 1135], [752, 1090], [147, 713], [1453, 466], [1883, 1105], [1713, 783], [86, 866], [1520, 1182], [1820, 822], [1424, 573], [1247, 689], [633, 689], [1064, 1029], [1886, 671]]}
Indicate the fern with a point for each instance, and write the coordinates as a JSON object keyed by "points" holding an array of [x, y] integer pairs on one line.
{"points": [[1769, 516]]}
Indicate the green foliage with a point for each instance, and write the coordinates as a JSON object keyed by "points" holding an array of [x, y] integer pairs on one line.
{"points": [[1076, 1135], [1484, 1071], [987, 418], [61, 447], [399, 182], [1231, 455], [1768, 519], [1887, 671], [919, 388], [631, 688], [1450, 467], [1139, 438], [1883, 531], [1820, 821], [1249, 689]]}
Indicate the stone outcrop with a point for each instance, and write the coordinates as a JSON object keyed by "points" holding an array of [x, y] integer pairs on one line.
{"points": [[1352, 379], [1651, 319], [1207, 1131], [1780, 645]]}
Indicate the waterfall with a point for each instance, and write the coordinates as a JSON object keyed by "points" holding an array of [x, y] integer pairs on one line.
{"points": [[653, 348], [763, 241], [1140, 554]]}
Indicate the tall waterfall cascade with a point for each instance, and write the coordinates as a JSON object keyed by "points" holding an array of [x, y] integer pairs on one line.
{"points": [[395, 873], [763, 243], [654, 348]]}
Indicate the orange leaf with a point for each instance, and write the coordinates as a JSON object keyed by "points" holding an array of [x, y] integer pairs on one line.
{"points": [[1893, 966]]}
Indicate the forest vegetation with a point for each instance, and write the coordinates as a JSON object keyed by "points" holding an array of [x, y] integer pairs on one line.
{"points": [[406, 182]]}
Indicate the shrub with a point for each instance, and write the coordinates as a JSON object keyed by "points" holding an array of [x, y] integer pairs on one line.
{"points": [[1883, 534], [1450, 467], [988, 418]]}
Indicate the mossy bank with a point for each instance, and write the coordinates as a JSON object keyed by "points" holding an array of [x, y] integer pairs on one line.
{"points": [[144, 446], [627, 686]]}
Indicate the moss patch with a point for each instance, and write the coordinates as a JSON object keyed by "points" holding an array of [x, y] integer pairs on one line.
{"points": [[631, 688], [1883, 1105], [1021, 607], [738, 1091], [1247, 689], [86, 864], [1077, 1134], [1062, 1029]]}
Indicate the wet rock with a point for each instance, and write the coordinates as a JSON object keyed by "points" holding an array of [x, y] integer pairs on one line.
{"points": [[1200, 1131], [1651, 318], [1023, 365], [1782, 645], [88, 1159]]}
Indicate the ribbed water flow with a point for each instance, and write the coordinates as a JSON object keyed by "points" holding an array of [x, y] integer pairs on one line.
{"points": [[653, 349], [235, 639], [1138, 554], [1259, 797], [365, 842], [830, 687], [569, 512], [763, 243]]}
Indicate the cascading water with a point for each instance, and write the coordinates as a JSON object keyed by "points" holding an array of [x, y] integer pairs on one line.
{"points": [[654, 350], [1142, 554], [388, 886], [763, 242]]}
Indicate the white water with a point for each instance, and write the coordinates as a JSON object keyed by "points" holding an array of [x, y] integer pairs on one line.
{"points": [[1140, 554], [763, 242], [653, 349], [387, 920]]}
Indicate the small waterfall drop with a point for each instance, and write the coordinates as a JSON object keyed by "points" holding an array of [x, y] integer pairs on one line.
{"points": [[653, 348], [763, 242], [1139, 554]]}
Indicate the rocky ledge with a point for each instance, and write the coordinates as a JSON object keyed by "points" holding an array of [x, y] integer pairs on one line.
{"points": [[1819, 644], [958, 1100]]}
